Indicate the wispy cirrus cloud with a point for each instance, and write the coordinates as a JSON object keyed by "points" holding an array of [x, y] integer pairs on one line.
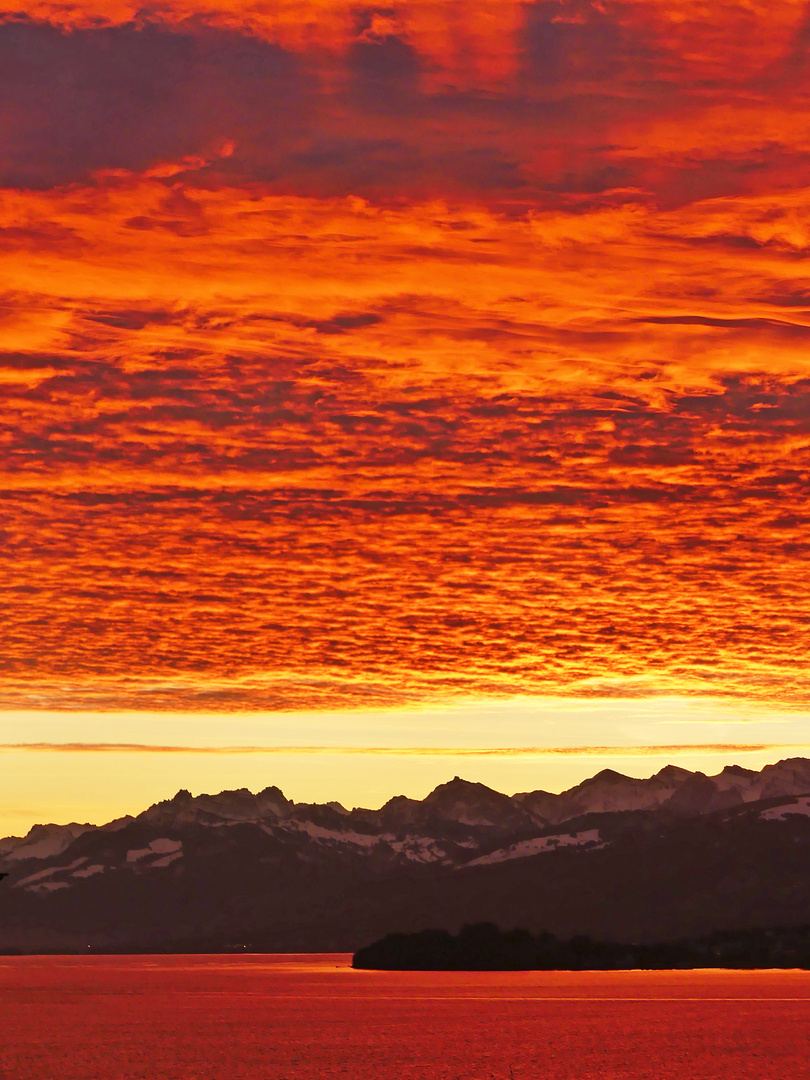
{"points": [[720, 749]]}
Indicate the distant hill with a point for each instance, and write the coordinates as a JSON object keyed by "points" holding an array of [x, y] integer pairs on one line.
{"points": [[680, 855], [484, 947]]}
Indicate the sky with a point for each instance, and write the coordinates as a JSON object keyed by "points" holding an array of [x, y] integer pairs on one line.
{"points": [[421, 377]]}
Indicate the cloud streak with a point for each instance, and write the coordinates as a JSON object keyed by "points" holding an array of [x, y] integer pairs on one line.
{"points": [[720, 749]]}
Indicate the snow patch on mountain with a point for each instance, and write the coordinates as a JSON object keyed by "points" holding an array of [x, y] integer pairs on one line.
{"points": [[162, 846], [419, 849], [167, 860], [674, 789], [779, 813], [42, 842], [606, 792], [89, 871], [539, 845], [36, 881], [322, 835]]}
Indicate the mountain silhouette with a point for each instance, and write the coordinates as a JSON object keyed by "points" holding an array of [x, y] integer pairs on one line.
{"points": [[677, 855]]}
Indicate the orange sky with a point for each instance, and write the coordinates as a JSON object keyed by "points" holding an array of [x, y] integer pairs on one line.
{"points": [[363, 357]]}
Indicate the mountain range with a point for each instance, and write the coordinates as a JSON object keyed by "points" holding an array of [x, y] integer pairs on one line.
{"points": [[679, 854]]}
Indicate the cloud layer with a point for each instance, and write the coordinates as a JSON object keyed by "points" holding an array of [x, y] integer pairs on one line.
{"points": [[366, 356], [410, 751]]}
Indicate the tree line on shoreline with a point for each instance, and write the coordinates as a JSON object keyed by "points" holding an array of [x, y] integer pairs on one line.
{"points": [[484, 947]]}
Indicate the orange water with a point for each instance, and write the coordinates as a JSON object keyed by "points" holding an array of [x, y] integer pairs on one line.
{"points": [[290, 1018]]}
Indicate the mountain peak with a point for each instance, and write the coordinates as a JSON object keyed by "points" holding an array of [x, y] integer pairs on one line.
{"points": [[468, 802], [675, 772], [606, 776], [459, 781], [459, 788], [43, 841], [271, 789]]}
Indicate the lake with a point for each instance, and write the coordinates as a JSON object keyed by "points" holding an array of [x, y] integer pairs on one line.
{"points": [[301, 1017]]}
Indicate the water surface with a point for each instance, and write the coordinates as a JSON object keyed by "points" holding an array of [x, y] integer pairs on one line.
{"points": [[307, 1017]]}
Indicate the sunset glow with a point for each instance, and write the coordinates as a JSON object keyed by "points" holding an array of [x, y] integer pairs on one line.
{"points": [[405, 357]]}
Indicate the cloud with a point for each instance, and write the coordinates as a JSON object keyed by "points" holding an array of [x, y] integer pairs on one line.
{"points": [[533, 101], [133, 97], [721, 749], [568, 42], [383, 72], [366, 356], [393, 416]]}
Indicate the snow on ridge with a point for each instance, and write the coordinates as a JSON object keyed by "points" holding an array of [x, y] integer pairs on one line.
{"points": [[162, 846], [36, 882], [422, 849], [45, 841], [167, 860], [89, 871], [411, 847], [324, 836], [540, 845], [38, 876], [800, 806]]}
